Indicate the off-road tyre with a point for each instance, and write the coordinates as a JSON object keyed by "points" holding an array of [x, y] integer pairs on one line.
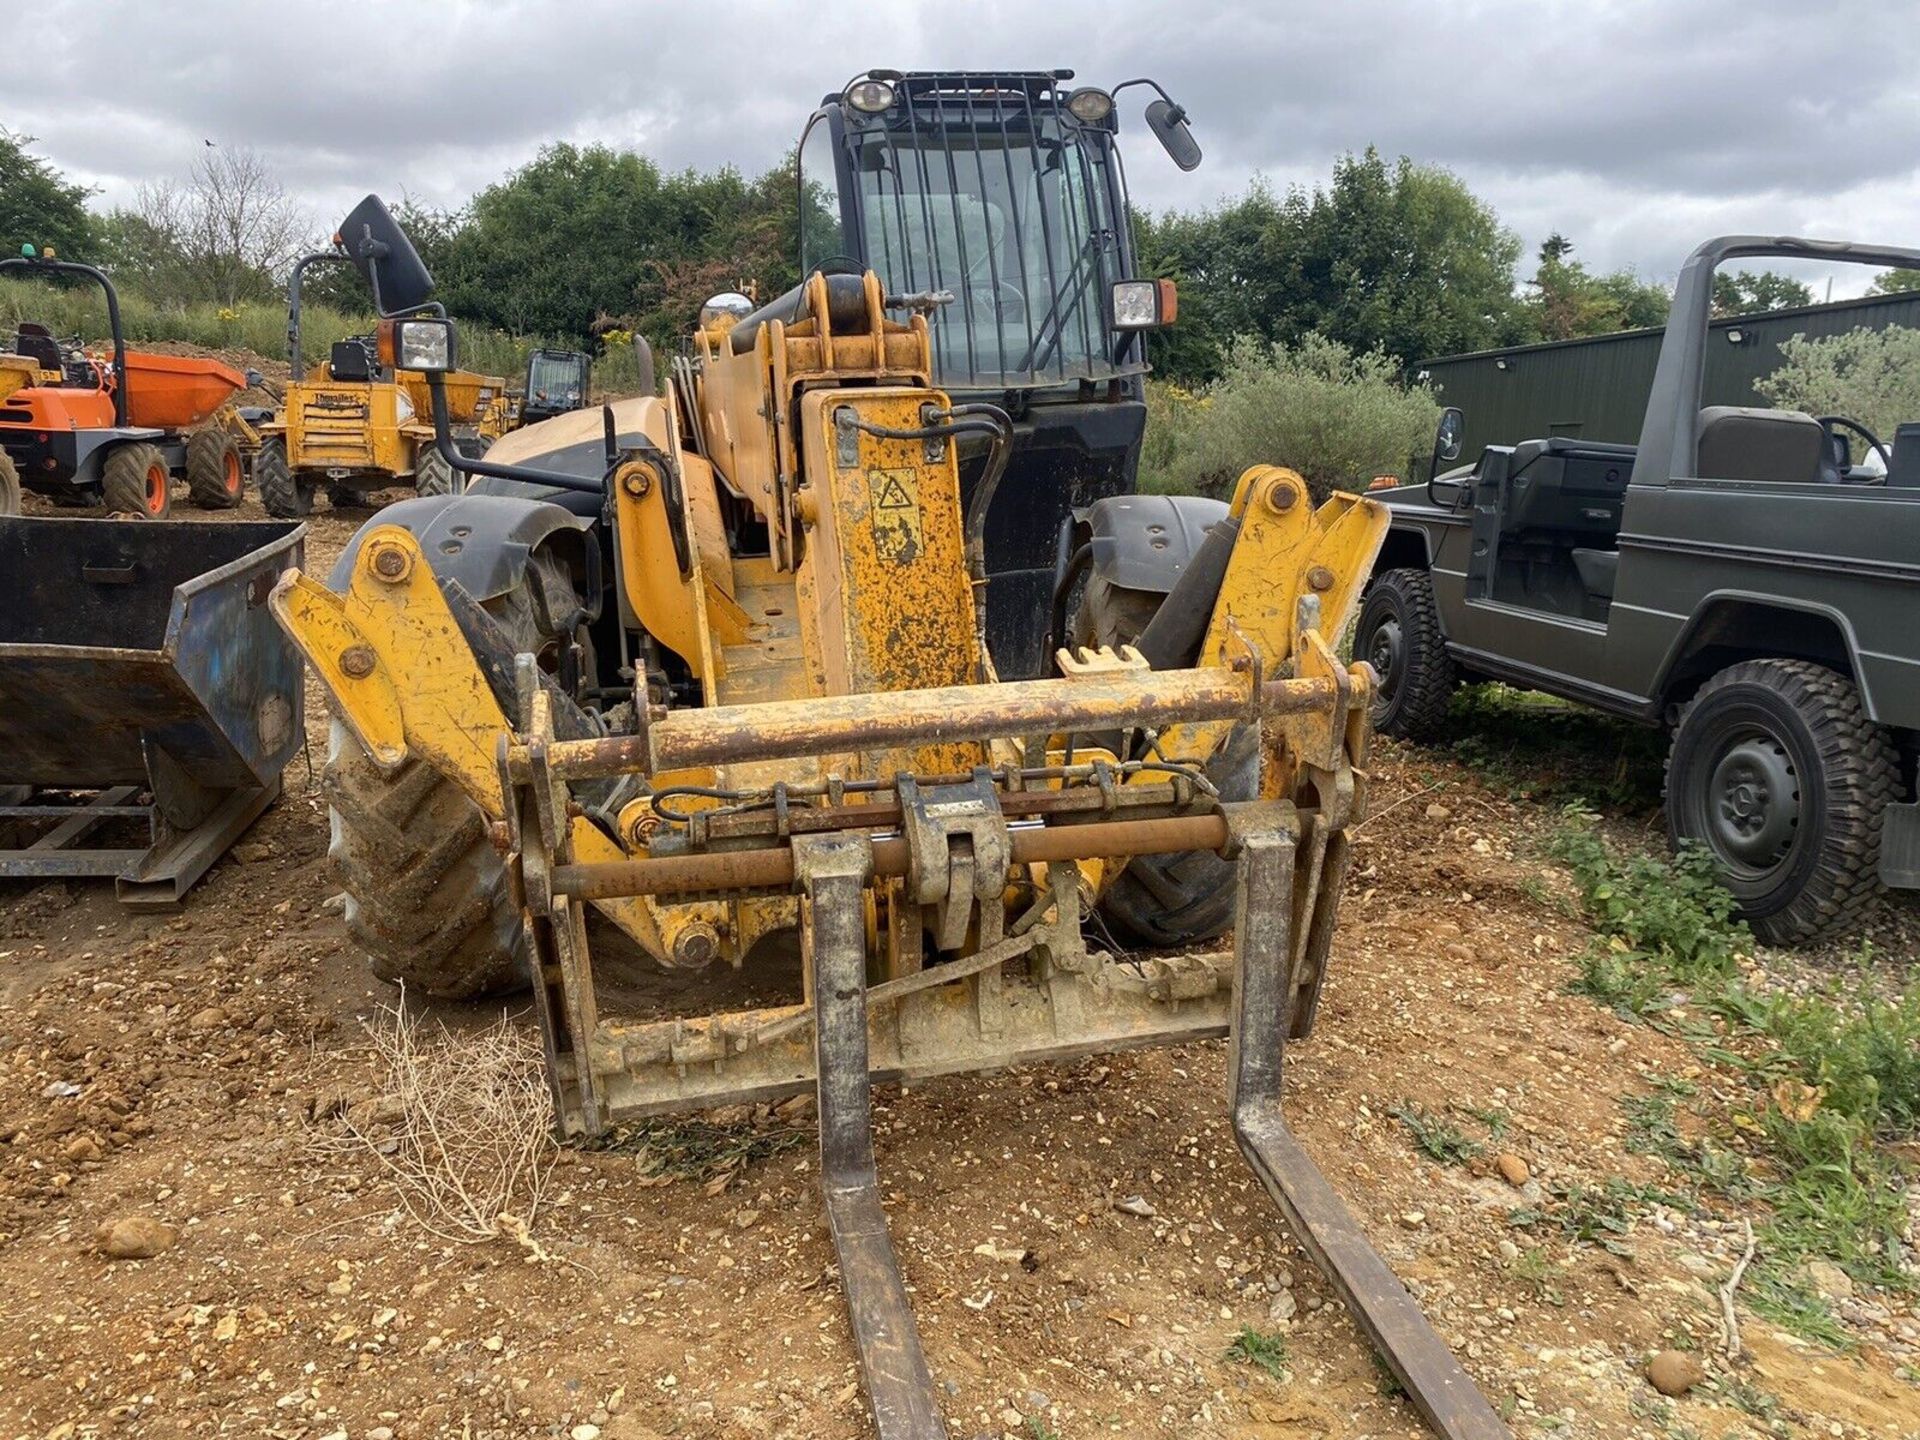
{"points": [[1187, 897], [280, 490], [1399, 635], [1789, 734], [135, 480], [432, 475], [1184, 898], [1111, 615], [9, 486], [216, 476], [427, 894]]}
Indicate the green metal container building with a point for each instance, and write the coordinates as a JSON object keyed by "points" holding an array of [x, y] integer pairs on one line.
{"points": [[1596, 388]]}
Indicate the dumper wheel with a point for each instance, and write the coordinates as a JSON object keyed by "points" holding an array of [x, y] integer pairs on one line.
{"points": [[283, 495], [216, 480], [1188, 897], [432, 475], [9, 486], [427, 894], [135, 481], [347, 497]]}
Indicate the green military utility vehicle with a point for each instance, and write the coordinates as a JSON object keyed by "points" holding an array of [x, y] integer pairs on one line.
{"points": [[1734, 577]]}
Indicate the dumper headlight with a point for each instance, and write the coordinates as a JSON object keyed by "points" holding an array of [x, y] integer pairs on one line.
{"points": [[1144, 304], [423, 345]]}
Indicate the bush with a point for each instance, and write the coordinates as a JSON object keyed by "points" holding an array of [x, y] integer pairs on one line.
{"points": [[1872, 376], [1338, 417]]}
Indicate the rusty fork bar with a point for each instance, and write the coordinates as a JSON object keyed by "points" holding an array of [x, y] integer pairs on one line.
{"points": [[899, 1385], [1433, 1379]]}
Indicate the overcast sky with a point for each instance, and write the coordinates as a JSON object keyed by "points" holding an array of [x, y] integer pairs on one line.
{"points": [[1636, 129]]}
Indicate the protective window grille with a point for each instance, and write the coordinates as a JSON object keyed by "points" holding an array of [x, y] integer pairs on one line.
{"points": [[984, 186]]}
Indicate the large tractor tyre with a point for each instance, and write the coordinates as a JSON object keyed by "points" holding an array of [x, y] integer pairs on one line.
{"points": [[427, 894], [135, 481], [1188, 897], [216, 478], [9, 486], [1111, 615], [1399, 635], [1184, 898], [432, 475], [1777, 771], [280, 490]]}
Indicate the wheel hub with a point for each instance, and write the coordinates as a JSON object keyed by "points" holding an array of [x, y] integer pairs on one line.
{"points": [[1754, 801], [1383, 652]]}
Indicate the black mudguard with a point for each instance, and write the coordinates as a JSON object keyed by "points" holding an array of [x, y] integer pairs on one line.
{"points": [[483, 543]]}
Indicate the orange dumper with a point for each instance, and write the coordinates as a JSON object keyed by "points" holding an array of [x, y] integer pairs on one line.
{"points": [[113, 430]]}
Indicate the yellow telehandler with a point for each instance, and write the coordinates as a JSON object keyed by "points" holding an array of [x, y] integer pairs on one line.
{"points": [[716, 665]]}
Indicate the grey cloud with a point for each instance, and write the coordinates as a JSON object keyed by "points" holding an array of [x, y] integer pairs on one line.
{"points": [[1633, 127]]}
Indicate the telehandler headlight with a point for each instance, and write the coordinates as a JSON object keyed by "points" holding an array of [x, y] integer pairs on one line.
{"points": [[1144, 304], [1089, 105], [423, 345], [870, 97]]}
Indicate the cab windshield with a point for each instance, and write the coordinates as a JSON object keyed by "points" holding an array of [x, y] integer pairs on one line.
{"points": [[1014, 216]]}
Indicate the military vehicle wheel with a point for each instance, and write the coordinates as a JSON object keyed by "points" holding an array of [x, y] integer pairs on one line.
{"points": [[427, 894], [216, 480], [1188, 897], [1399, 635], [135, 480], [9, 486], [432, 475], [1776, 770], [280, 490]]}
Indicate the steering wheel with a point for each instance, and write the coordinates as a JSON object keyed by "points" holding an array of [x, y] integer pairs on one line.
{"points": [[1829, 423], [1009, 298]]}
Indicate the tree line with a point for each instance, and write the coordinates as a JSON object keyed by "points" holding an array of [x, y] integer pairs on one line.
{"points": [[1388, 257]]}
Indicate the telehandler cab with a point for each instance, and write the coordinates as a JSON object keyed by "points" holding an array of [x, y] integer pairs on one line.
{"points": [[718, 664]]}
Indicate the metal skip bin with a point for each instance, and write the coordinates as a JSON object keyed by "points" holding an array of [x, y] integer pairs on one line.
{"points": [[148, 701]]}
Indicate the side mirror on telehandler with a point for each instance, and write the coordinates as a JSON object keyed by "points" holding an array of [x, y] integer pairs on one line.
{"points": [[379, 248]]}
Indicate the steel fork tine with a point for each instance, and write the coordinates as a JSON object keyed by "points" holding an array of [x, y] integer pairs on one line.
{"points": [[1433, 1379], [899, 1386]]}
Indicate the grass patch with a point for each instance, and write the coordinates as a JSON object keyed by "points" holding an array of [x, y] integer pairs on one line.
{"points": [[1596, 1214], [1831, 1076], [1437, 1138], [1264, 1349], [1538, 747], [1534, 1269]]}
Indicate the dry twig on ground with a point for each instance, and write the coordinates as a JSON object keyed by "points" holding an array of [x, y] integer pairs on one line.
{"points": [[462, 1128]]}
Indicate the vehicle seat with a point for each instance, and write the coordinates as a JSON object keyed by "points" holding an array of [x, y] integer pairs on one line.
{"points": [[1904, 472], [36, 342], [349, 360], [1774, 446], [1598, 570]]}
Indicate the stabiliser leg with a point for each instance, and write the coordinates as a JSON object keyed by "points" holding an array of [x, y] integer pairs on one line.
{"points": [[1433, 1380], [834, 873]]}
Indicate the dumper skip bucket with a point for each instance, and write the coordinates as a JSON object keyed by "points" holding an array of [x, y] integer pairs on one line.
{"points": [[142, 679]]}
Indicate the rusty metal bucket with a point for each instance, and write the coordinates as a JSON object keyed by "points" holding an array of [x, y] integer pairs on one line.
{"points": [[142, 678]]}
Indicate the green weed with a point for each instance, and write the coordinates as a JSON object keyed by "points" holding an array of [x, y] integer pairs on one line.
{"points": [[1265, 1349], [1440, 1140]]}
